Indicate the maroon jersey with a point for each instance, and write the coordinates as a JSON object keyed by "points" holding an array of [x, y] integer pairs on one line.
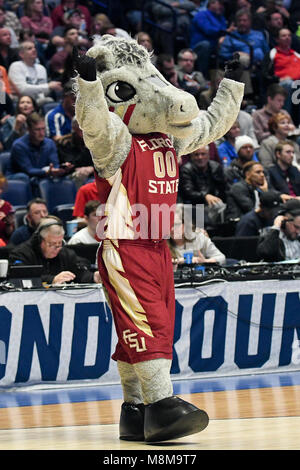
{"points": [[139, 201]]}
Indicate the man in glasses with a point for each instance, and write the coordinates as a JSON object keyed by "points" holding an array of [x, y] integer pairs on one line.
{"points": [[46, 247], [189, 79]]}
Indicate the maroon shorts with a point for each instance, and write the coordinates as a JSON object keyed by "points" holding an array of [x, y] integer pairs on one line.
{"points": [[138, 278]]}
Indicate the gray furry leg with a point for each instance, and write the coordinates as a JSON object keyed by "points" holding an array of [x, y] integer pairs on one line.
{"points": [[155, 379], [130, 383]]}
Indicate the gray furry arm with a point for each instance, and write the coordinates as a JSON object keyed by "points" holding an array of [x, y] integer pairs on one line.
{"points": [[212, 124], [104, 133]]}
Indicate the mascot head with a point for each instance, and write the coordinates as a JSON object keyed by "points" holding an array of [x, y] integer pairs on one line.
{"points": [[137, 92]]}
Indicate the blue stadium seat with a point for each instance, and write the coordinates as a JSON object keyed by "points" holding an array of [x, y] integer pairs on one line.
{"points": [[20, 213], [57, 192], [48, 107], [64, 212], [17, 192], [4, 162]]}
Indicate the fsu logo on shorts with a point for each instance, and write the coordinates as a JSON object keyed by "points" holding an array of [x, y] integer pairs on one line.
{"points": [[133, 342]]}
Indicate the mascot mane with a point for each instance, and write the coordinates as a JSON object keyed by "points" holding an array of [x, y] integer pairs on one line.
{"points": [[121, 52]]}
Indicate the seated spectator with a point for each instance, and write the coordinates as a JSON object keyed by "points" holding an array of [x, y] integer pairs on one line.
{"points": [[270, 5], [103, 25], [36, 211], [189, 80], [10, 19], [87, 192], [46, 248], [58, 60], [43, 48], [244, 147], [276, 96], [281, 241], [57, 14], [249, 43], [274, 21], [35, 19], [280, 126], [166, 65], [73, 154], [34, 156], [88, 233], [202, 181], [232, 7], [252, 223], [284, 176], [144, 39], [207, 27], [7, 215], [3, 24], [271, 21], [283, 62], [8, 54], [30, 78], [226, 149], [244, 195], [75, 19], [182, 241], [241, 39], [16, 126], [59, 120], [213, 155]]}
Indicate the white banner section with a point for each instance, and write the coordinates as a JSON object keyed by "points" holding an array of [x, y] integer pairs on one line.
{"points": [[221, 329]]}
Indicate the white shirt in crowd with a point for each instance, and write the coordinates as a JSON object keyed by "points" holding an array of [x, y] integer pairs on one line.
{"points": [[205, 245], [31, 81], [83, 236]]}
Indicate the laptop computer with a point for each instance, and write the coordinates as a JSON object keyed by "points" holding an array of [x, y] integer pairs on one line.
{"points": [[25, 276]]}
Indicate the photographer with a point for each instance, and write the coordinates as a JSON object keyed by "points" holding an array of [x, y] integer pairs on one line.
{"points": [[281, 242]]}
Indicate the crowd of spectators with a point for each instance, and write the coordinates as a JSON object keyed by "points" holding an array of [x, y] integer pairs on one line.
{"points": [[240, 179]]}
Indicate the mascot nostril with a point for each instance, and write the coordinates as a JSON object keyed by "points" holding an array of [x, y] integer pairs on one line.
{"points": [[136, 130]]}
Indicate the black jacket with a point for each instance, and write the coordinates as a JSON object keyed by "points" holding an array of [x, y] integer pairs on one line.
{"points": [[194, 184], [278, 179], [234, 172], [29, 253], [74, 151], [240, 199], [270, 247]]}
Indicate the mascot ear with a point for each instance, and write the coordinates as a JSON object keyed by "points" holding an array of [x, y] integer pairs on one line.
{"points": [[103, 56]]}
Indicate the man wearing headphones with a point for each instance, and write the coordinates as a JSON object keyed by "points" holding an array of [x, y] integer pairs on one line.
{"points": [[282, 241], [46, 247]]}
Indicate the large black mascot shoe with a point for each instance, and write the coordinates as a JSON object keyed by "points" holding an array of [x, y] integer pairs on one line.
{"points": [[172, 418], [132, 422]]}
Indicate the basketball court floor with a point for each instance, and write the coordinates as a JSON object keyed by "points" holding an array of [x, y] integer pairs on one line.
{"points": [[253, 412]]}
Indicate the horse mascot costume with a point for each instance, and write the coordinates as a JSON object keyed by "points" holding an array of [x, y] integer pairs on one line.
{"points": [[136, 126]]}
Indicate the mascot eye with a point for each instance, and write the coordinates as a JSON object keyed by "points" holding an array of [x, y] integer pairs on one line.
{"points": [[120, 91]]}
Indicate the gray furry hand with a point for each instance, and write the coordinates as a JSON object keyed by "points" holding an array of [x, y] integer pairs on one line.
{"points": [[84, 65]]}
